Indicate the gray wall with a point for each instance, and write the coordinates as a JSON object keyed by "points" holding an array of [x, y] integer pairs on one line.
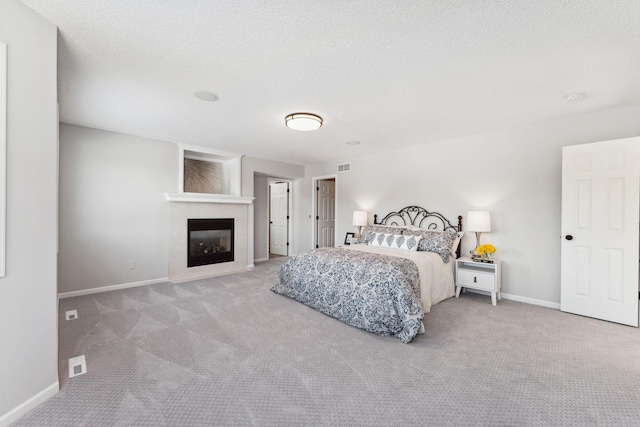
{"points": [[113, 210], [28, 305], [112, 207], [515, 174], [252, 166], [261, 217]]}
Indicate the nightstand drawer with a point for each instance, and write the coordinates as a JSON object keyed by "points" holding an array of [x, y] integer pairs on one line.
{"points": [[476, 279]]}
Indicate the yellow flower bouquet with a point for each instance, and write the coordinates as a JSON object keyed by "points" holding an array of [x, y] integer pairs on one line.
{"points": [[485, 251]]}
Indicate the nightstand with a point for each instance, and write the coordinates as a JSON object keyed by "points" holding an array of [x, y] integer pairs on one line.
{"points": [[478, 275]]}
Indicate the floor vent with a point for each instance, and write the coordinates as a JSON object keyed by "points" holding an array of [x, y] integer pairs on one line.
{"points": [[71, 314], [77, 366], [344, 167]]}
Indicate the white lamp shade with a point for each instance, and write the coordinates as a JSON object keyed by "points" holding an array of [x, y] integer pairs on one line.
{"points": [[479, 221], [360, 218]]}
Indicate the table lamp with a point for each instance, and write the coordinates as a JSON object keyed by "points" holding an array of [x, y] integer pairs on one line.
{"points": [[360, 219], [478, 222]]}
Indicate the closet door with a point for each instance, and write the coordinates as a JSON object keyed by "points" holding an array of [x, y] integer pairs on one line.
{"points": [[600, 216], [326, 213]]}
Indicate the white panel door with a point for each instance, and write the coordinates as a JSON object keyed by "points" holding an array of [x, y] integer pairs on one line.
{"points": [[326, 213], [600, 232], [278, 219]]}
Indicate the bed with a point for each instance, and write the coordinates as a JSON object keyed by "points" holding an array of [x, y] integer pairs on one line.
{"points": [[387, 281]]}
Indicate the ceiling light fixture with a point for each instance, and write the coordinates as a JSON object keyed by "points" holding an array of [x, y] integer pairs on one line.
{"points": [[303, 121]]}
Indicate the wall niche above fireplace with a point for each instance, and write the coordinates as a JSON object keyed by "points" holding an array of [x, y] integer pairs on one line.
{"points": [[207, 171]]}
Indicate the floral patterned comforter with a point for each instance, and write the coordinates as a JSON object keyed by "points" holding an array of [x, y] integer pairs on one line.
{"points": [[377, 293]]}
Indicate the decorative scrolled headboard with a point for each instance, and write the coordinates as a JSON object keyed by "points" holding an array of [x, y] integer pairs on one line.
{"points": [[419, 217]]}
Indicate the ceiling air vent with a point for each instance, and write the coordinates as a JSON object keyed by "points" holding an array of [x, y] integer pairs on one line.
{"points": [[344, 167]]}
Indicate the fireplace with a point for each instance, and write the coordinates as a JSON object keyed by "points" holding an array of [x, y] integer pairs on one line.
{"points": [[210, 241]]}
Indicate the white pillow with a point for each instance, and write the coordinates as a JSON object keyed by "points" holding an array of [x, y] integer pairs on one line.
{"points": [[396, 241], [456, 243], [369, 231]]}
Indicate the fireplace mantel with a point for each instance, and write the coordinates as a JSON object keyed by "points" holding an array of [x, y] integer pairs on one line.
{"points": [[208, 198]]}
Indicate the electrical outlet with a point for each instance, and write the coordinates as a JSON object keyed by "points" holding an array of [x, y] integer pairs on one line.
{"points": [[71, 314], [132, 265], [77, 366]]}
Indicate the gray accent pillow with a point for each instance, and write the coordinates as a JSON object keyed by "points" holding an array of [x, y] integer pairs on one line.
{"points": [[439, 242]]}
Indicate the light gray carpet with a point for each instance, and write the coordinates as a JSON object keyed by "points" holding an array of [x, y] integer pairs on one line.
{"points": [[227, 351]]}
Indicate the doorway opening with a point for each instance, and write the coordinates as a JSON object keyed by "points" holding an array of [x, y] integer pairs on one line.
{"points": [[324, 208], [262, 233], [279, 216]]}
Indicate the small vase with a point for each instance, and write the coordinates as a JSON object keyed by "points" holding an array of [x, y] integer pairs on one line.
{"points": [[486, 256]]}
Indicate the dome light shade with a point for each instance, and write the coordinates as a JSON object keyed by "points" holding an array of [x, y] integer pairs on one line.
{"points": [[303, 121]]}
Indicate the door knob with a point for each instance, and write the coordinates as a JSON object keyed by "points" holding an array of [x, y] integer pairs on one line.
{"points": [[568, 237]]}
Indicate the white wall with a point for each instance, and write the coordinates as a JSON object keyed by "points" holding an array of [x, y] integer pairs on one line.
{"points": [[515, 174], [112, 207], [28, 305]]}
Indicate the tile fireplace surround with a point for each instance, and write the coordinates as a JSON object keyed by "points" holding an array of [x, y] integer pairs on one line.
{"points": [[184, 206]]}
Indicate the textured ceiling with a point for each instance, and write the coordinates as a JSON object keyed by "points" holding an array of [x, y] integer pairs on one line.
{"points": [[386, 73]]}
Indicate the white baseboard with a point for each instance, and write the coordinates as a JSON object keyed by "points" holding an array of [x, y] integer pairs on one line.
{"points": [[533, 301], [251, 266], [206, 276], [26, 406], [111, 288], [267, 259], [518, 298]]}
